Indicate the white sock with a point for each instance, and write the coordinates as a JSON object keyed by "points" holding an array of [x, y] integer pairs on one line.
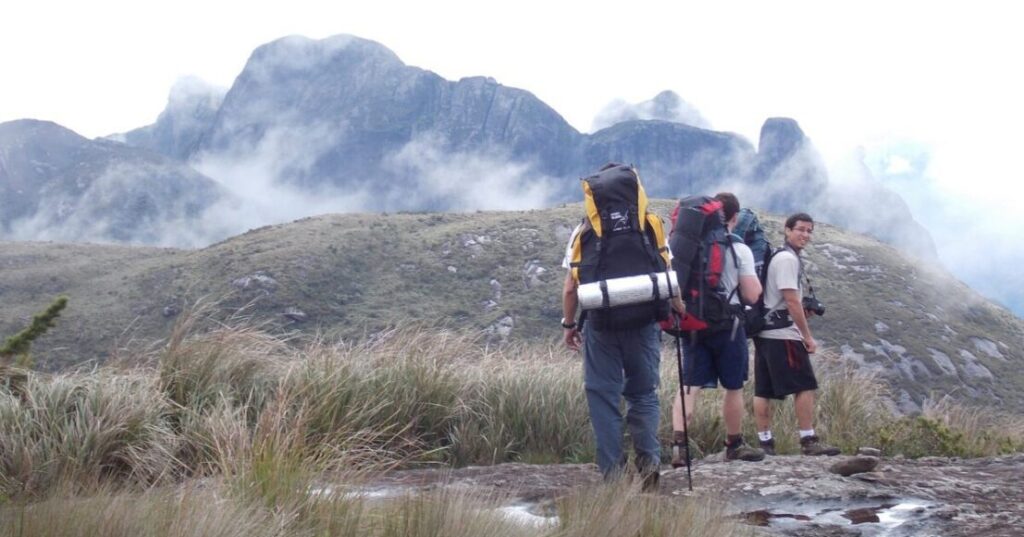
{"points": [[764, 435], [805, 434]]}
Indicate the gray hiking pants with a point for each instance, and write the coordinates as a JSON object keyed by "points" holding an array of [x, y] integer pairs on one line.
{"points": [[619, 364]]}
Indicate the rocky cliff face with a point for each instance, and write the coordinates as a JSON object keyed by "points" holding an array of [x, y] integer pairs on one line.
{"points": [[345, 112], [57, 185], [354, 105], [788, 170]]}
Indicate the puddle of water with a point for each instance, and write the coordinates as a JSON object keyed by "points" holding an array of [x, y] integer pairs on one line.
{"points": [[901, 513], [520, 513], [872, 519], [360, 493]]}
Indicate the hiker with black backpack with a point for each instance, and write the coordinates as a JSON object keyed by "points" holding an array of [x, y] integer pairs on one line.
{"points": [[621, 344], [722, 278], [782, 349]]}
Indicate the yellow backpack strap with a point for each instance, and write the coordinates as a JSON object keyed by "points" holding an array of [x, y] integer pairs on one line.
{"points": [[577, 253], [658, 227], [591, 206]]}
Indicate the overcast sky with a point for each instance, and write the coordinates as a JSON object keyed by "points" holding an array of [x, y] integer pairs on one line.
{"points": [[939, 77]]}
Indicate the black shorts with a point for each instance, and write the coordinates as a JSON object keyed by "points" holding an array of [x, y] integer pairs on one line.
{"points": [[781, 367]]}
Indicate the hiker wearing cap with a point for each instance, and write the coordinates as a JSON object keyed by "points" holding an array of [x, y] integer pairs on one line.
{"points": [[782, 364], [619, 238], [719, 355]]}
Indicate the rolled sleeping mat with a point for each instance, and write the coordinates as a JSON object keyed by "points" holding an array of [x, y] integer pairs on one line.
{"points": [[627, 290]]}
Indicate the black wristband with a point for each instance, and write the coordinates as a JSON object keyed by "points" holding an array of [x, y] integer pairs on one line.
{"points": [[568, 326]]}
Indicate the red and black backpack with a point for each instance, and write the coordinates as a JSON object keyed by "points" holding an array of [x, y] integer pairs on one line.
{"points": [[699, 241]]}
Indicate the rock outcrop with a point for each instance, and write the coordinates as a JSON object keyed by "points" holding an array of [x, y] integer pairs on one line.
{"points": [[789, 495]]}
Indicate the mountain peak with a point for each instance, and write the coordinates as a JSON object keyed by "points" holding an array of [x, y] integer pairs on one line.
{"points": [[665, 106], [780, 137], [297, 53]]}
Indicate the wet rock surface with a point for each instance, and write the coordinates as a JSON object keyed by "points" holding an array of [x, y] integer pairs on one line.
{"points": [[790, 495]]}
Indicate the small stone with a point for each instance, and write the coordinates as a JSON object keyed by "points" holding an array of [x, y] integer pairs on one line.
{"points": [[171, 311], [258, 280], [869, 452], [854, 465], [295, 314], [871, 477], [862, 515]]}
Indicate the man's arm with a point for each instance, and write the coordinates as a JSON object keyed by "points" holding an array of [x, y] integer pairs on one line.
{"points": [[796, 312], [750, 289], [749, 285], [570, 301]]}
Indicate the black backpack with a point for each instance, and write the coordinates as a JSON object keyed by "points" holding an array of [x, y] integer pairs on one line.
{"points": [[755, 315], [699, 242], [620, 237]]}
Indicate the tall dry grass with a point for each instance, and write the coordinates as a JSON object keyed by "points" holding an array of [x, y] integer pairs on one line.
{"points": [[265, 419], [618, 509], [213, 509]]}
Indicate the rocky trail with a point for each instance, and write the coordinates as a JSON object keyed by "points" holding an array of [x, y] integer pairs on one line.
{"points": [[785, 495]]}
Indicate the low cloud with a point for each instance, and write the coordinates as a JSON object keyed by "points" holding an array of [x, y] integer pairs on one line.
{"points": [[266, 180], [975, 226], [466, 180]]}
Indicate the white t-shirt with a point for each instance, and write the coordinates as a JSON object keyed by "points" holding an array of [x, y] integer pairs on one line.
{"points": [[783, 273], [568, 247], [731, 273]]}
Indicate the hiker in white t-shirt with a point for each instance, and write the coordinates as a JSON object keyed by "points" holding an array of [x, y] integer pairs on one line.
{"points": [[782, 363]]}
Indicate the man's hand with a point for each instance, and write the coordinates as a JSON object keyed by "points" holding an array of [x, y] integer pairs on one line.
{"points": [[573, 338], [678, 305], [810, 345]]}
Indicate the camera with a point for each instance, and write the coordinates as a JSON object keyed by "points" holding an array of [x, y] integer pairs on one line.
{"points": [[812, 304]]}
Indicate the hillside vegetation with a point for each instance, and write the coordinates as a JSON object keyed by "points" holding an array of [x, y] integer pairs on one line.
{"points": [[345, 276]]}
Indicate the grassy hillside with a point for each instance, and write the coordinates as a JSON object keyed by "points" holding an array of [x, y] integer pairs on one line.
{"points": [[350, 275]]}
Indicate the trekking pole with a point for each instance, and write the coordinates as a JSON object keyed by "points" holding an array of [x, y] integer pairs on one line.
{"points": [[682, 399]]}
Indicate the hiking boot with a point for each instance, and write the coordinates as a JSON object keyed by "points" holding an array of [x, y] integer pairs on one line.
{"points": [[740, 451], [680, 450], [649, 480], [811, 445], [768, 446]]}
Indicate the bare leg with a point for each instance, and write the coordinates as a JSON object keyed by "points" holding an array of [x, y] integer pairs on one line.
{"points": [[732, 411], [803, 403], [762, 414], [691, 407]]}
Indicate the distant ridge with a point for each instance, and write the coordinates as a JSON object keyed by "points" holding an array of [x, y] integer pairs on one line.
{"points": [[350, 275]]}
